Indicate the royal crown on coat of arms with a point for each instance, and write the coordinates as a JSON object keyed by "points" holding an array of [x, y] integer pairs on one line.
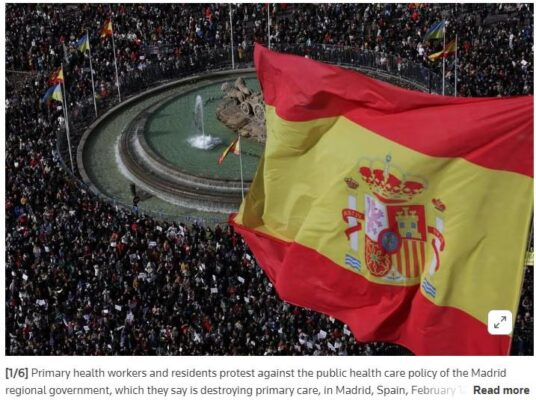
{"points": [[388, 183]]}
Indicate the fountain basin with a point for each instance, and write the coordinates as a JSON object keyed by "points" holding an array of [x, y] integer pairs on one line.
{"points": [[141, 165], [185, 182]]}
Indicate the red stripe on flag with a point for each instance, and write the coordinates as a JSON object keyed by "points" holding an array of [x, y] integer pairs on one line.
{"points": [[374, 312], [493, 132]]}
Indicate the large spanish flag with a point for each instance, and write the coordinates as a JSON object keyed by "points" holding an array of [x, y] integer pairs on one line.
{"points": [[403, 214]]}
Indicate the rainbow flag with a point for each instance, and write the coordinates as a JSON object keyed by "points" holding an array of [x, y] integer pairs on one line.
{"points": [[436, 31], [403, 214], [83, 43], [56, 76], [106, 30], [234, 148], [449, 49]]}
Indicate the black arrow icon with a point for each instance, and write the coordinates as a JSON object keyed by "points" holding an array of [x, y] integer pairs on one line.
{"points": [[503, 319]]}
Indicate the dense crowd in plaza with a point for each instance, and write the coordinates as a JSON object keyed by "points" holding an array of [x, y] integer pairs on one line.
{"points": [[86, 277]]}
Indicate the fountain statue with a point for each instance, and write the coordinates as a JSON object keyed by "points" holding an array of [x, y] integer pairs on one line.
{"points": [[201, 140], [242, 110]]}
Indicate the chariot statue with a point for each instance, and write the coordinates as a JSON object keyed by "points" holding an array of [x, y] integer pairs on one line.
{"points": [[242, 110]]}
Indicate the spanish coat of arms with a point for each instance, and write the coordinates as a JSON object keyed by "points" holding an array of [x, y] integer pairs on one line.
{"points": [[398, 243]]}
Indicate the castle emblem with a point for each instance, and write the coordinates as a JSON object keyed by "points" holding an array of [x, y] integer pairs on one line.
{"points": [[398, 243]]}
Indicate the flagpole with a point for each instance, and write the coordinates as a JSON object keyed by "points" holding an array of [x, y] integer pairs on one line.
{"points": [[232, 43], [456, 67], [269, 25], [91, 70], [241, 173], [115, 61], [65, 53], [443, 56], [66, 117]]}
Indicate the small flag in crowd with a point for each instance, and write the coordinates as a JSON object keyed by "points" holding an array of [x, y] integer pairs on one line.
{"points": [[106, 30], [56, 94], [47, 94], [56, 77], [83, 43], [234, 148], [53, 93], [449, 49], [436, 31]]}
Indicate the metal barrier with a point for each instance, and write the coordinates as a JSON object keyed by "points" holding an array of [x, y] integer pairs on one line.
{"points": [[161, 68]]}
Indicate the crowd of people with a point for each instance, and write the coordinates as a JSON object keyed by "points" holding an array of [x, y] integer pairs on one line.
{"points": [[494, 57], [494, 40], [86, 277]]}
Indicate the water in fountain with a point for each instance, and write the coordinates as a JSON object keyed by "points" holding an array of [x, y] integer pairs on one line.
{"points": [[201, 140]]}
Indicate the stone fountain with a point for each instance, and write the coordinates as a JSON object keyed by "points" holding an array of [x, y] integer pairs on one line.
{"points": [[201, 140]]}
